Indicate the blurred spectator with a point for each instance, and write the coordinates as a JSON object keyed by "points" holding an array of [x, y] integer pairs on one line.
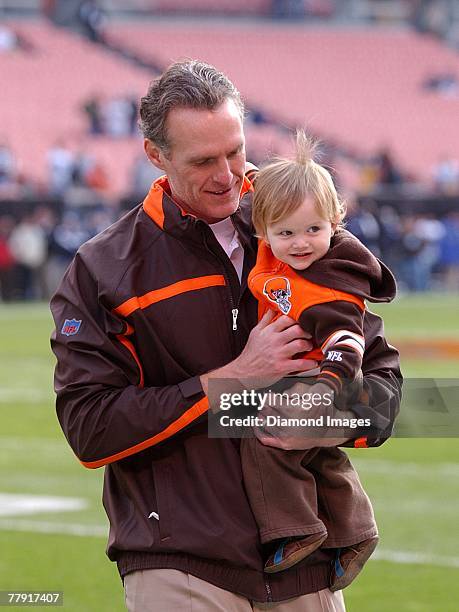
{"points": [[445, 83], [80, 197], [287, 9], [431, 231], [362, 222], [88, 172], [449, 252], [7, 165], [258, 117], [388, 172], [446, 176], [7, 261], [379, 171], [13, 184], [61, 162], [96, 177], [415, 268], [8, 39], [29, 249], [297, 9], [433, 16], [82, 163], [93, 110], [48, 7], [134, 114], [88, 181], [92, 20], [46, 219], [320, 8], [64, 242], [98, 221], [390, 236], [118, 117], [369, 176], [143, 174]]}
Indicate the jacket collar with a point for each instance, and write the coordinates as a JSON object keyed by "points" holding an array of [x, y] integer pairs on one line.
{"points": [[171, 218]]}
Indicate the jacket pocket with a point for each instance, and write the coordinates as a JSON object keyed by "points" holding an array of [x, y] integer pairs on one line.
{"points": [[162, 476]]}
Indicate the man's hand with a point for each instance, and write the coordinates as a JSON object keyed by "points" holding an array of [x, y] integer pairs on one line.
{"points": [[300, 443], [268, 354]]}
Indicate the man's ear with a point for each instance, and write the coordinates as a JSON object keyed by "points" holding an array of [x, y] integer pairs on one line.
{"points": [[153, 153]]}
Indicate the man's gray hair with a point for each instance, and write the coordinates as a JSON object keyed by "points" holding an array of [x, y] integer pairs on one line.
{"points": [[187, 84]]}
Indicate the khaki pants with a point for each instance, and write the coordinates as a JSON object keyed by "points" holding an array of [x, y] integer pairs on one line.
{"points": [[168, 590]]}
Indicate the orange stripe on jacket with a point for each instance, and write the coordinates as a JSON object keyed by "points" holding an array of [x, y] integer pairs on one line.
{"points": [[130, 347], [361, 442], [189, 284], [187, 417], [153, 203]]}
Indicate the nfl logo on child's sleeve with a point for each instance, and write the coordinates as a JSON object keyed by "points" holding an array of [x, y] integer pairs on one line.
{"points": [[71, 327], [335, 356]]}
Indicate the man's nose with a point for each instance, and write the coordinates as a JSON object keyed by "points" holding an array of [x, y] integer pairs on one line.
{"points": [[223, 174]]}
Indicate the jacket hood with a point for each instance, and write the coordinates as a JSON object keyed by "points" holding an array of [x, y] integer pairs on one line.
{"points": [[350, 266]]}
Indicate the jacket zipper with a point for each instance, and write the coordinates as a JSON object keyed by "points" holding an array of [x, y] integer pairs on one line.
{"points": [[235, 312], [268, 591], [234, 307]]}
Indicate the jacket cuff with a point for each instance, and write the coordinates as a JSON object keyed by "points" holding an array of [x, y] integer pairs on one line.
{"points": [[332, 378], [374, 436], [191, 386]]}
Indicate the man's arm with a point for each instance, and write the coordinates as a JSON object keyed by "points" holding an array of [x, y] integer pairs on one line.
{"points": [[104, 408], [382, 382]]}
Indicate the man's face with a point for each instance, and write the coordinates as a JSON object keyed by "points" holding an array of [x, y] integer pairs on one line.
{"points": [[205, 163]]}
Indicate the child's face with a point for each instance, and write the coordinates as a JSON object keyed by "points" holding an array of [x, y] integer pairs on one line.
{"points": [[302, 237]]}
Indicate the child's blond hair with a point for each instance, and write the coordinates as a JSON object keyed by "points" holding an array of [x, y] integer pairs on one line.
{"points": [[283, 185]]}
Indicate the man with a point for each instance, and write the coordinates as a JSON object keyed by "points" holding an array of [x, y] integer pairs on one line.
{"points": [[148, 313]]}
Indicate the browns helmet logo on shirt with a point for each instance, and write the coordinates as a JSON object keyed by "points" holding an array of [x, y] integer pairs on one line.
{"points": [[278, 290]]}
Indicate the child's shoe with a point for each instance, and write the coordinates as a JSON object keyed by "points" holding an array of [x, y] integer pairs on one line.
{"points": [[293, 550], [349, 562]]}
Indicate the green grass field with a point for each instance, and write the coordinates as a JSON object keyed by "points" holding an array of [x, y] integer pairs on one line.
{"points": [[414, 484]]}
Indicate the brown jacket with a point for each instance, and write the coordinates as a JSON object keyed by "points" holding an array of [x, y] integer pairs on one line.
{"points": [[143, 310]]}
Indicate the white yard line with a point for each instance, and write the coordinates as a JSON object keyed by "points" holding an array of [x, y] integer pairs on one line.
{"points": [[74, 529], [101, 531], [30, 312], [29, 396], [20, 504], [375, 466], [405, 468], [394, 469], [414, 558], [50, 446]]}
